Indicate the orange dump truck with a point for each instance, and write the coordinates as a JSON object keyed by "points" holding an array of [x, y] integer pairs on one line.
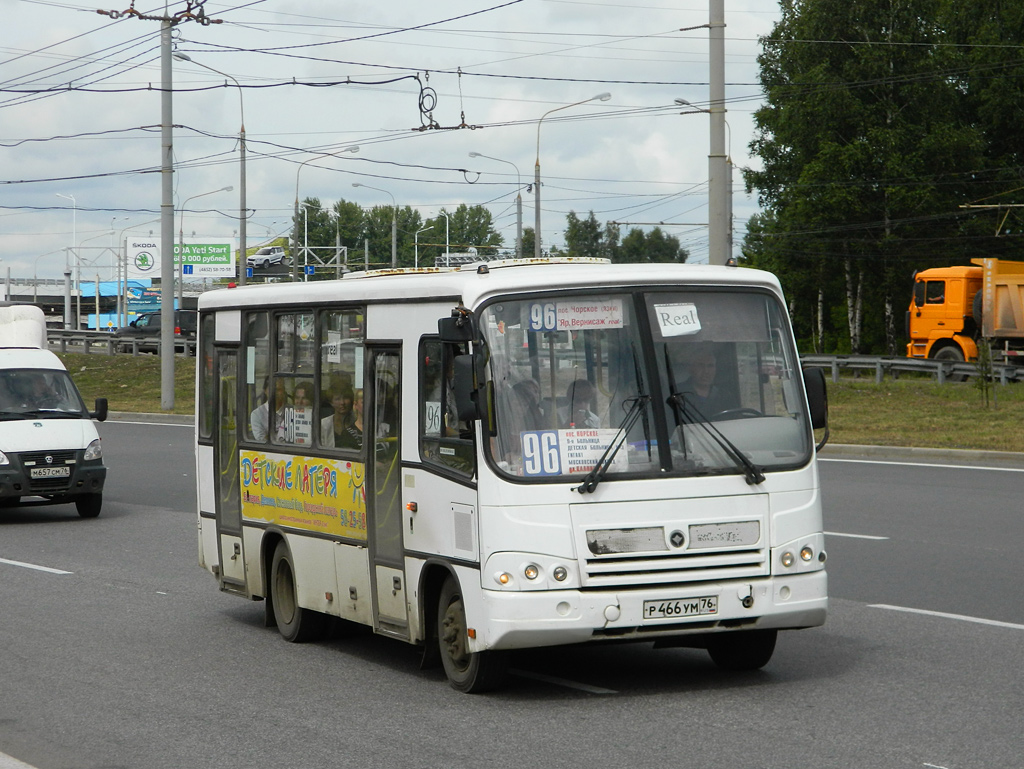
{"points": [[954, 307]]}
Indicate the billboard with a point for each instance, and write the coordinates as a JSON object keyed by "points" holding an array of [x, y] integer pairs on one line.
{"points": [[210, 258]]}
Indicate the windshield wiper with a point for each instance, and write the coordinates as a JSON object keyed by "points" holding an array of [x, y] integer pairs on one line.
{"points": [[690, 414], [594, 477]]}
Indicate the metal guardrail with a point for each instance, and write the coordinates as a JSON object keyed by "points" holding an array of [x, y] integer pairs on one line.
{"points": [[105, 343], [943, 371]]}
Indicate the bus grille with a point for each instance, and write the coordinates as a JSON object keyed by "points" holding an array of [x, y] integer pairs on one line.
{"points": [[39, 459], [649, 569]]}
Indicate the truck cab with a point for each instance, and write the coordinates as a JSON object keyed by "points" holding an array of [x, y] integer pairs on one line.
{"points": [[940, 321]]}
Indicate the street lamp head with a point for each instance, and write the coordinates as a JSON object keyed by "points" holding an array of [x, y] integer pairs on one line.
{"points": [[603, 96], [181, 56], [475, 155], [356, 184]]}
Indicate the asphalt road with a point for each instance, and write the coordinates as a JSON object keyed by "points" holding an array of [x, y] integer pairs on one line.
{"points": [[126, 655]]}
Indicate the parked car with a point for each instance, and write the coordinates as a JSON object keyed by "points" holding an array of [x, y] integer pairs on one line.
{"points": [[144, 332], [266, 256]]}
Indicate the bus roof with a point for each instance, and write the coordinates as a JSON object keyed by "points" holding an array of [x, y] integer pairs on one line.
{"points": [[474, 283]]}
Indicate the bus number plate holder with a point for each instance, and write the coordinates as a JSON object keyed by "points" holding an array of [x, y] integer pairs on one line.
{"points": [[50, 472], [681, 607]]}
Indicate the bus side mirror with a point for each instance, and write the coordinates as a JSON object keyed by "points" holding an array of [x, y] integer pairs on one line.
{"points": [[455, 330], [463, 390], [817, 400], [100, 414]]}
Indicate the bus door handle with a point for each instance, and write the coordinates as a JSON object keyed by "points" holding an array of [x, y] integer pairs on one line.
{"points": [[238, 552], [396, 583]]}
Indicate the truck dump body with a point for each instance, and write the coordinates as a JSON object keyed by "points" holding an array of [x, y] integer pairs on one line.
{"points": [[1002, 309]]}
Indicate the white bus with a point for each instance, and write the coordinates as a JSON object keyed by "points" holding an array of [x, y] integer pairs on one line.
{"points": [[515, 454]]}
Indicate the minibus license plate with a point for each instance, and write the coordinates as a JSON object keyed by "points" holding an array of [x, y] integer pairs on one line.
{"points": [[51, 472], [681, 607]]}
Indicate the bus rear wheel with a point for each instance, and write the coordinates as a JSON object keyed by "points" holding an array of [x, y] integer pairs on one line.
{"points": [[295, 624], [469, 672], [745, 650]]}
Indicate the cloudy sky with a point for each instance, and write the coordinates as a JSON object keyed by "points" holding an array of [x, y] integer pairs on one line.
{"points": [[415, 86]]}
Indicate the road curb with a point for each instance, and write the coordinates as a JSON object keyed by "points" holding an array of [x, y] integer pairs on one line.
{"points": [[906, 453], [131, 416]]}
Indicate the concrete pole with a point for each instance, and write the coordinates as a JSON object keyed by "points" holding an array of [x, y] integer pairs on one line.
{"points": [[166, 223], [719, 245]]}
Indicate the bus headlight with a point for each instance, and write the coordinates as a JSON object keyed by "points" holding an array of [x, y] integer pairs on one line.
{"points": [[787, 559], [516, 571], [806, 553], [3, 459], [93, 451], [799, 556]]}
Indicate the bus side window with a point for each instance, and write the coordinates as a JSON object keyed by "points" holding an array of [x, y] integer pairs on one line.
{"points": [[258, 382], [444, 440]]}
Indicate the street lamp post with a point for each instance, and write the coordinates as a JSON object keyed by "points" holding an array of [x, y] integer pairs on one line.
{"points": [[536, 168], [295, 220], [181, 241], [394, 221], [67, 267], [242, 212], [519, 200], [447, 241], [416, 244]]}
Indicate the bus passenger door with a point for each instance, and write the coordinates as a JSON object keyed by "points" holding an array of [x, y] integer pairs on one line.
{"points": [[225, 448], [384, 502]]}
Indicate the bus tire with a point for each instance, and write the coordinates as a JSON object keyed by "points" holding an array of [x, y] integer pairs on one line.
{"points": [[744, 650], [295, 624], [469, 672], [89, 505]]}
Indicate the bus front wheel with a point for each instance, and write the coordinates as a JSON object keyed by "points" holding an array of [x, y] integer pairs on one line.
{"points": [[293, 622], [469, 672], [745, 650]]}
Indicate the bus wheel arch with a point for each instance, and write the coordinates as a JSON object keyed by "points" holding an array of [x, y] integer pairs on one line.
{"points": [[432, 579], [468, 672]]}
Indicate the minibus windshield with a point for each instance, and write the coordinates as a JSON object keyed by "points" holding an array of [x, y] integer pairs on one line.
{"points": [[702, 381]]}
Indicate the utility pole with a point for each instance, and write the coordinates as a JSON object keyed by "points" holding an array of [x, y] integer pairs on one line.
{"points": [[719, 181], [193, 12]]}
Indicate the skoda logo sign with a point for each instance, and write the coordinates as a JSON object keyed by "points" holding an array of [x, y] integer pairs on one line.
{"points": [[144, 261], [676, 538]]}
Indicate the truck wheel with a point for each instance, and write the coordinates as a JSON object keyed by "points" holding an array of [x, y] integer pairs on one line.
{"points": [[89, 505], [953, 354]]}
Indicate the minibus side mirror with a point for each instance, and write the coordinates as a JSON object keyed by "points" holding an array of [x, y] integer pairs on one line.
{"points": [[462, 386], [100, 414], [817, 401], [455, 330]]}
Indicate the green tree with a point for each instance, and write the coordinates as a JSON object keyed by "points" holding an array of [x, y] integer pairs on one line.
{"points": [[652, 247], [865, 157]]}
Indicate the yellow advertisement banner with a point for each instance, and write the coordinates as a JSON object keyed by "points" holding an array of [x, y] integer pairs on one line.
{"points": [[325, 496]]}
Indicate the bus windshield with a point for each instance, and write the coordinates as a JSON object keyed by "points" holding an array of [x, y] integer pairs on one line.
{"points": [[39, 392], [647, 383]]}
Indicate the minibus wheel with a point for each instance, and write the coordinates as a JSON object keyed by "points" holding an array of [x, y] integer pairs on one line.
{"points": [[743, 650], [469, 672], [295, 624], [89, 505]]}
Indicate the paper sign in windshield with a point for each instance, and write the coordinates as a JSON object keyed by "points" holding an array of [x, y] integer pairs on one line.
{"points": [[677, 319], [576, 315], [568, 452]]}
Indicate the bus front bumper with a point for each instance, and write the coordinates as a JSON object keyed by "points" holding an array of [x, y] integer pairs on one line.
{"points": [[516, 620]]}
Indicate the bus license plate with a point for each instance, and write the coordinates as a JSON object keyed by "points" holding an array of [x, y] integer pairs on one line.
{"points": [[51, 472], [681, 607]]}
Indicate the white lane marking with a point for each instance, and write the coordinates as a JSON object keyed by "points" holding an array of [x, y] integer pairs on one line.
{"points": [[562, 682], [934, 766], [34, 566], [925, 464], [944, 615], [189, 425], [854, 536], [9, 762]]}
